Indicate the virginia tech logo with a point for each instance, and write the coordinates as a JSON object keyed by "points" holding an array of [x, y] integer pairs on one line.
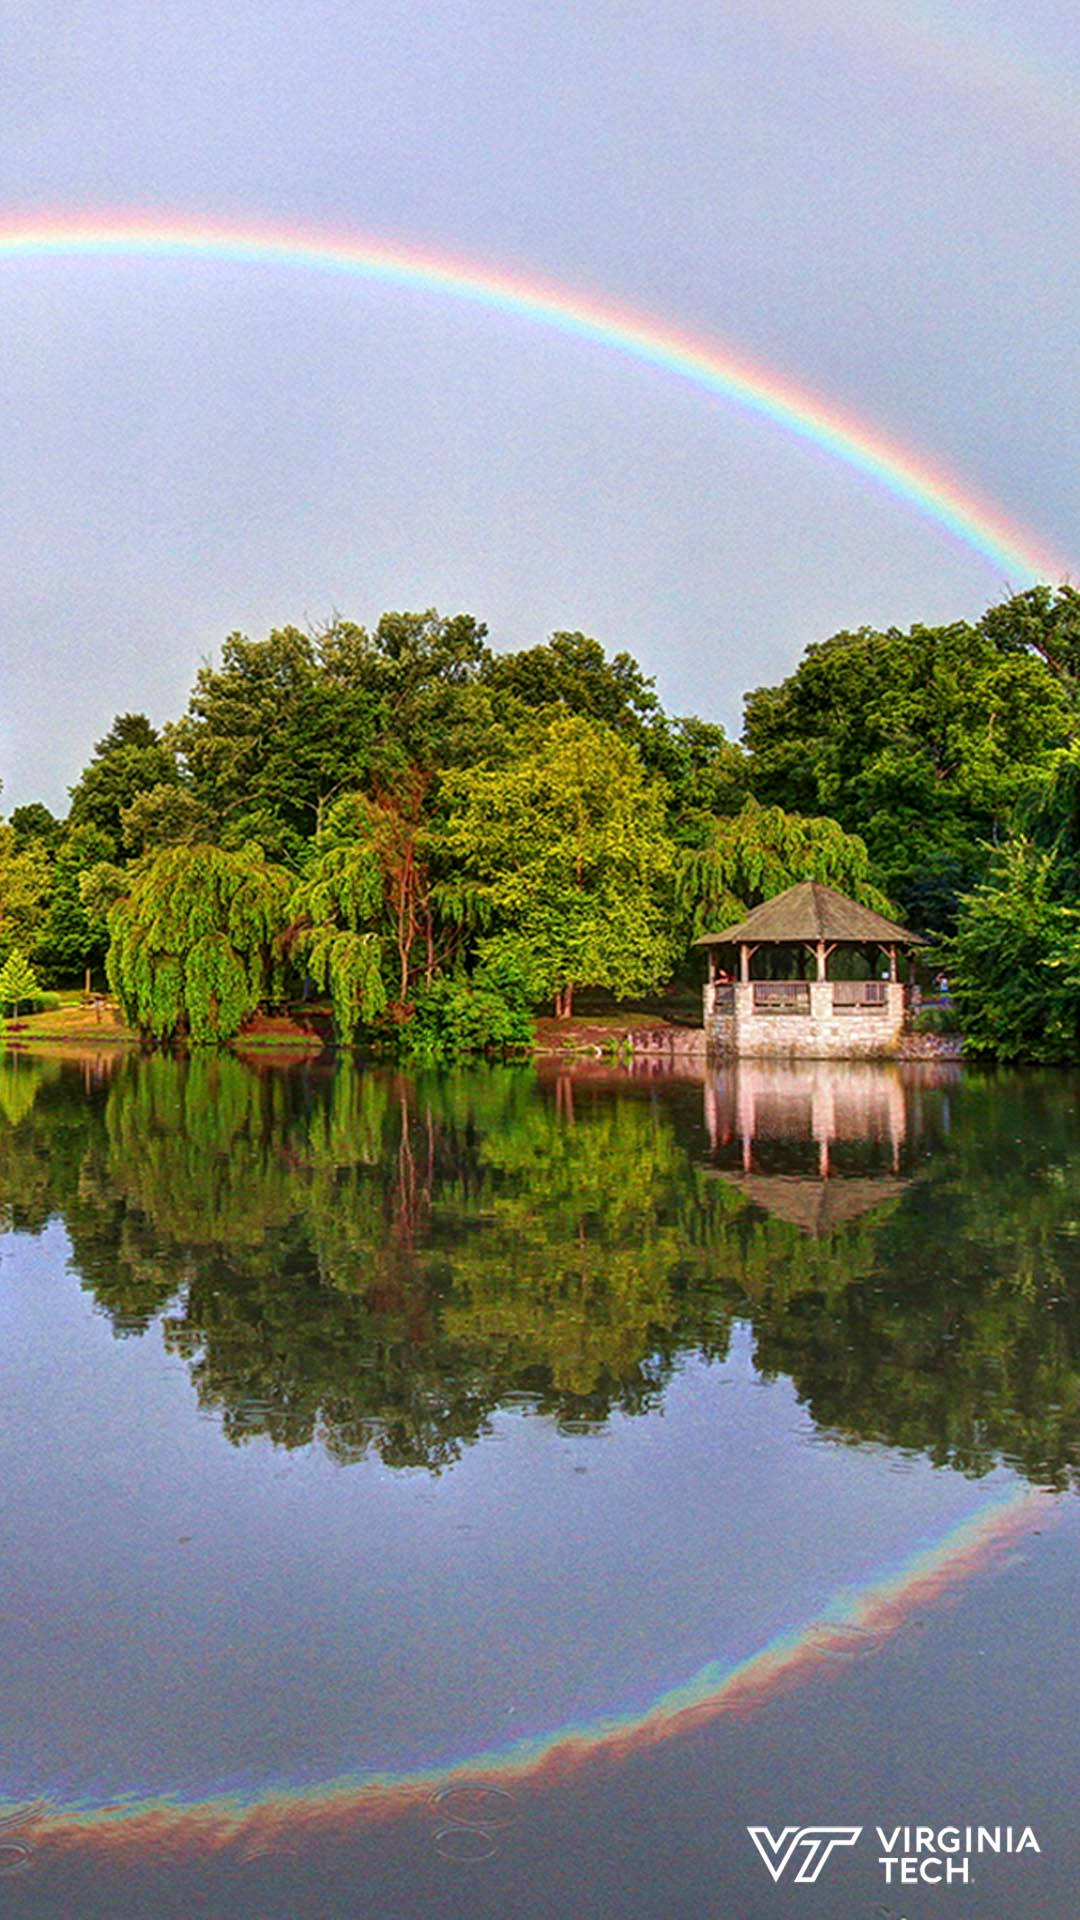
{"points": [[817, 1842]]}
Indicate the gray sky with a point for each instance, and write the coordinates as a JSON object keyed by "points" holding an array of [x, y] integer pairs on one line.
{"points": [[877, 199]]}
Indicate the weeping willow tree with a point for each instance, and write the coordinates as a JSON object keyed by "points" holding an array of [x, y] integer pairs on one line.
{"points": [[754, 854], [194, 946], [336, 914]]}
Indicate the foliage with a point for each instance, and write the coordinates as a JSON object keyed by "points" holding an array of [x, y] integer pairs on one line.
{"points": [[566, 844], [100, 887], [704, 770], [1014, 961], [192, 945], [944, 1019], [758, 852], [454, 1016], [24, 888], [335, 913], [274, 732], [1043, 622], [924, 743], [18, 981], [73, 935], [286, 725], [164, 816], [130, 760], [35, 822]]}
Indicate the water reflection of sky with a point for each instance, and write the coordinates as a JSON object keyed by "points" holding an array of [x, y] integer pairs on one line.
{"points": [[365, 1435], [184, 1615]]}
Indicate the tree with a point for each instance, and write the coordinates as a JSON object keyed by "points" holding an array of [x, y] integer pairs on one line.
{"points": [[24, 888], [17, 980], [287, 725], [756, 853], [72, 937], [1044, 622], [163, 816], [566, 844], [194, 946], [130, 759], [1014, 961], [925, 743], [336, 915], [571, 672], [35, 822], [278, 729]]}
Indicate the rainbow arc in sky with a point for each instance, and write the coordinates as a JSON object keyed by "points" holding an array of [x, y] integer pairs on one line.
{"points": [[1019, 557]]}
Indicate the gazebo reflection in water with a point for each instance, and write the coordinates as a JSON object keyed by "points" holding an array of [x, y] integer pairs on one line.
{"points": [[818, 1142]]}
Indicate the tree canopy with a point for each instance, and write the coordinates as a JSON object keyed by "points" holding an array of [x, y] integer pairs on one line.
{"points": [[193, 944], [924, 743], [566, 844], [449, 816]]}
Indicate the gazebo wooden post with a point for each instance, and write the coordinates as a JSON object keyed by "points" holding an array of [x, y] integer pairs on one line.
{"points": [[712, 965], [892, 963], [822, 957], [744, 962]]}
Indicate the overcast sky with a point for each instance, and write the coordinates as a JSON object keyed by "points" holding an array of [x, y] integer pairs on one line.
{"points": [[877, 199]]}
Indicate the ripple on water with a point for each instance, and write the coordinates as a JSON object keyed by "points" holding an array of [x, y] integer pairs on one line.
{"points": [[465, 1843], [472, 1804]]}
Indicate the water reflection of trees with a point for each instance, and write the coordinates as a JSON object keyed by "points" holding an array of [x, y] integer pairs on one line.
{"points": [[379, 1262]]}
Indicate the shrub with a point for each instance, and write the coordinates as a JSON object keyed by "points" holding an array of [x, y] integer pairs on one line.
{"points": [[936, 1020], [490, 1013]]}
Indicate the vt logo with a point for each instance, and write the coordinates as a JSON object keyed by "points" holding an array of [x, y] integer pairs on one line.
{"points": [[817, 1841]]}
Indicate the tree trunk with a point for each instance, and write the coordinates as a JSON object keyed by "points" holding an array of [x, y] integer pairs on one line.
{"points": [[568, 1001]]}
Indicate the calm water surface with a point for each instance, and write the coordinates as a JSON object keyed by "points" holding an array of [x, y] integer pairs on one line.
{"points": [[492, 1493]]}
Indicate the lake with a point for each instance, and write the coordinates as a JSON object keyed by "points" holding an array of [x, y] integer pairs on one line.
{"points": [[497, 1492]]}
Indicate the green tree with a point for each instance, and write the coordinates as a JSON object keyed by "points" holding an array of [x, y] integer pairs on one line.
{"points": [[130, 759], [163, 816], [566, 844], [18, 981], [35, 822], [24, 890], [195, 945], [754, 854], [1044, 623], [1014, 961], [337, 919], [279, 728], [572, 672], [71, 938], [925, 743], [287, 725]]}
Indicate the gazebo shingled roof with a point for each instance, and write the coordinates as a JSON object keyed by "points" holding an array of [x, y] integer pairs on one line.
{"points": [[812, 912]]}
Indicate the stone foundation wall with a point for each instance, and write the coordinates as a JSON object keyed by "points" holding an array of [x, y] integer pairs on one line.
{"points": [[821, 1034]]}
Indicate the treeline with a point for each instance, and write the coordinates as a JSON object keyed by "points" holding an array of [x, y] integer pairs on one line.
{"points": [[441, 838]]}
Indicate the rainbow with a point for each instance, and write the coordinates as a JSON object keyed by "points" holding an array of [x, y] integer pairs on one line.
{"points": [[583, 316], [858, 1622]]}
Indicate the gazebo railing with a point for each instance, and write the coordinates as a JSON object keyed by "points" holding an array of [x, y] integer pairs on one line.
{"points": [[859, 996], [781, 996]]}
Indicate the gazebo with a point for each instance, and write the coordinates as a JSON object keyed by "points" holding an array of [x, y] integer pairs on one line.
{"points": [[766, 1005]]}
